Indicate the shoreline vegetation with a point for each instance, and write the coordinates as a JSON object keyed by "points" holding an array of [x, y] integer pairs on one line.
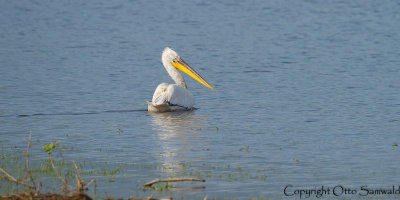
{"points": [[32, 186]]}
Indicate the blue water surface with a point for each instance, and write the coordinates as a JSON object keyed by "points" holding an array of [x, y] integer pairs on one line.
{"points": [[306, 93]]}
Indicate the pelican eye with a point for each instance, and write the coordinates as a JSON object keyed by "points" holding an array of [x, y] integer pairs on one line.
{"points": [[176, 59]]}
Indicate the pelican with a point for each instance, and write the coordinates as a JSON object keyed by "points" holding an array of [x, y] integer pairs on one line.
{"points": [[174, 97]]}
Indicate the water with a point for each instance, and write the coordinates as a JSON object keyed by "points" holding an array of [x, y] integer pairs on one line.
{"points": [[306, 92]]}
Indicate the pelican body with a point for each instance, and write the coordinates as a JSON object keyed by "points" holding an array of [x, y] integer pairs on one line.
{"points": [[174, 97]]}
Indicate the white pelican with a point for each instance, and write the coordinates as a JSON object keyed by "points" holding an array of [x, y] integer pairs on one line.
{"points": [[174, 97]]}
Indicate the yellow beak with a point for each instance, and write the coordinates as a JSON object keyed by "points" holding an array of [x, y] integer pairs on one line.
{"points": [[183, 66]]}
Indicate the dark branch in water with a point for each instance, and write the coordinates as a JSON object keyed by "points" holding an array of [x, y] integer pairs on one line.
{"points": [[149, 184], [28, 171], [12, 179]]}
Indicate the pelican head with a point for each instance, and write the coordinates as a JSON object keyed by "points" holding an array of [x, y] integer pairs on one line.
{"points": [[172, 61]]}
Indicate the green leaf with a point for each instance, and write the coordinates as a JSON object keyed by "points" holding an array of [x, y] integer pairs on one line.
{"points": [[49, 148]]}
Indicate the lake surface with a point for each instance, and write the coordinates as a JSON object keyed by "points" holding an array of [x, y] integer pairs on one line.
{"points": [[306, 93]]}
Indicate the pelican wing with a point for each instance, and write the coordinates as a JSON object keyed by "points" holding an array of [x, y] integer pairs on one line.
{"points": [[173, 95]]}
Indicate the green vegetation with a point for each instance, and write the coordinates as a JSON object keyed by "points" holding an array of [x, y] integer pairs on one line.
{"points": [[46, 174], [56, 173], [49, 148], [162, 187]]}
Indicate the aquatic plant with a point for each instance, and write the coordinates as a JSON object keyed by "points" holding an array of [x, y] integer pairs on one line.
{"points": [[34, 187]]}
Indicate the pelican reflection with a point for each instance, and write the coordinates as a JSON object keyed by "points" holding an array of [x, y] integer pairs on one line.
{"points": [[177, 124], [179, 137]]}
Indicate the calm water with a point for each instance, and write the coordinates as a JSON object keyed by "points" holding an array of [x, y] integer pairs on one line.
{"points": [[306, 92]]}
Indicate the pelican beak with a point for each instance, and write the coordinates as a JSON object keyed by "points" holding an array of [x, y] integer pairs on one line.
{"points": [[183, 66]]}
